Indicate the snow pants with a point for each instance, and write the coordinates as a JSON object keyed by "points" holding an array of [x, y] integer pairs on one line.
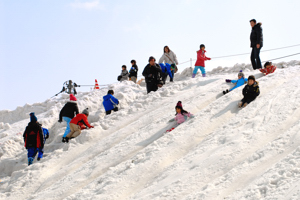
{"points": [[255, 59], [133, 78], [31, 153], [115, 109], [75, 131], [202, 69], [151, 87], [67, 119], [247, 100]]}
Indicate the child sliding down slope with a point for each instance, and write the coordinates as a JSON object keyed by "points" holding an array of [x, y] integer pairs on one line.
{"points": [[241, 81], [180, 116]]}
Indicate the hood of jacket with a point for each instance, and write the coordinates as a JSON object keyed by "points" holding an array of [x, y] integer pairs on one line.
{"points": [[107, 97]]}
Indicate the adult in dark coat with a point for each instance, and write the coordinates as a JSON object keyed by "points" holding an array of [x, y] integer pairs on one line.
{"points": [[256, 38], [152, 74], [67, 113]]}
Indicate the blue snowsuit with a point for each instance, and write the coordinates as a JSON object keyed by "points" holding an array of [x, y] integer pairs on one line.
{"points": [[110, 102], [166, 68], [238, 83]]}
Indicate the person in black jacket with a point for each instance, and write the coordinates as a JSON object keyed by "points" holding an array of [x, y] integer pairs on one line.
{"points": [[250, 92], [256, 38], [133, 71], [67, 113], [152, 73], [33, 138]]}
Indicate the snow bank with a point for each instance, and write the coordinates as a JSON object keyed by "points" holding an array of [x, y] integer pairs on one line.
{"points": [[222, 153]]}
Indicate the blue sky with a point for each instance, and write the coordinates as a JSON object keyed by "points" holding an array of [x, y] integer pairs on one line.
{"points": [[47, 42]]}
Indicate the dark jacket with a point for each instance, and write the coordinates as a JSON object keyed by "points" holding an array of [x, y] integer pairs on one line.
{"points": [[251, 91], [152, 73], [133, 71], [110, 102], [256, 36], [33, 135], [70, 110]]}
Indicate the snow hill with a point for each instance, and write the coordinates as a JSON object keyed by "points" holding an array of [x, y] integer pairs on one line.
{"points": [[223, 153]]}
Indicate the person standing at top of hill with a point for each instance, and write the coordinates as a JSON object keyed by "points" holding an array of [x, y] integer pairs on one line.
{"points": [[67, 113], [124, 74], [256, 38], [201, 58], [169, 57], [152, 74], [133, 71]]}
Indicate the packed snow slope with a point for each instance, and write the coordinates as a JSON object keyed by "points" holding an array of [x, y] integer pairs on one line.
{"points": [[223, 153]]}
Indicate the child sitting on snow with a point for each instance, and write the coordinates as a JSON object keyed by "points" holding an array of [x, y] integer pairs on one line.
{"points": [[241, 81], [181, 115], [250, 92], [269, 68]]}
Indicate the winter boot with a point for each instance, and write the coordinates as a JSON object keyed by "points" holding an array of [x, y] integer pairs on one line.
{"points": [[203, 75], [245, 104], [193, 76], [66, 139], [63, 139], [30, 161], [38, 159], [225, 92], [240, 104]]}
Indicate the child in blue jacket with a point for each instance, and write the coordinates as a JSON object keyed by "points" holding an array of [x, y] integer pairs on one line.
{"points": [[241, 81], [110, 102], [165, 71]]}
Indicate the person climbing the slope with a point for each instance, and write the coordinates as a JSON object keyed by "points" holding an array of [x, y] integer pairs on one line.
{"points": [[250, 92], [200, 63], [67, 113], [33, 138], [133, 71], [152, 74], [180, 116], [241, 81], [110, 102], [269, 68], [168, 62], [79, 122], [124, 74]]}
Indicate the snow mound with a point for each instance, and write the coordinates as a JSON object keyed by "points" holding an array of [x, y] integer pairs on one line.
{"points": [[223, 153]]}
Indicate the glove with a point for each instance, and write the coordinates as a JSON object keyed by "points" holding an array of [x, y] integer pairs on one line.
{"points": [[228, 81], [91, 126], [60, 121], [47, 136]]}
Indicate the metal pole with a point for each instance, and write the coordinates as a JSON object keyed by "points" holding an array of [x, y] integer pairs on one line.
{"points": [[191, 60]]}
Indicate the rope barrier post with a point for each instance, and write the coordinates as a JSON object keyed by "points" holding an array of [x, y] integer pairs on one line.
{"points": [[191, 60]]}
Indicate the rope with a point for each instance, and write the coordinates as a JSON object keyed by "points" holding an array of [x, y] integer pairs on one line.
{"points": [[247, 53], [283, 57]]}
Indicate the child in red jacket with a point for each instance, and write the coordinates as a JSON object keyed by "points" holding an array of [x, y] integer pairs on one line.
{"points": [[269, 68], [77, 123], [200, 61]]}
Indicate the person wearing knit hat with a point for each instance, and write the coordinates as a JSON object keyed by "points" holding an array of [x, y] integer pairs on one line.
{"points": [[180, 116], [80, 121], [239, 82], [33, 117], [33, 138], [67, 113], [250, 92]]}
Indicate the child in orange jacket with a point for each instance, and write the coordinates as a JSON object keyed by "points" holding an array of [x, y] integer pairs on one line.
{"points": [[77, 123]]}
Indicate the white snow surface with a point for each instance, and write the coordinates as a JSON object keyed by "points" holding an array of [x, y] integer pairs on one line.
{"points": [[223, 153]]}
